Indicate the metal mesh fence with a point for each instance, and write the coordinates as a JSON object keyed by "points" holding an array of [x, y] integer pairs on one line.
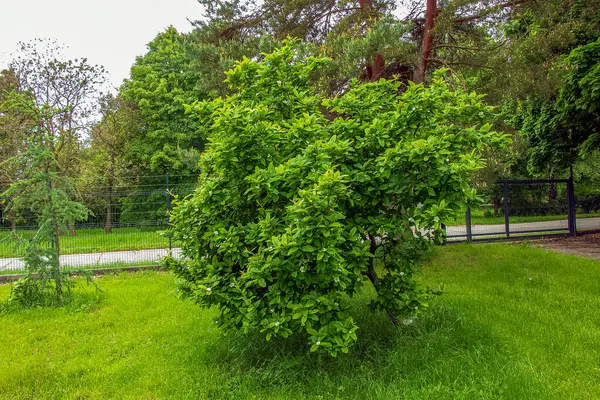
{"points": [[125, 225], [126, 222], [588, 214]]}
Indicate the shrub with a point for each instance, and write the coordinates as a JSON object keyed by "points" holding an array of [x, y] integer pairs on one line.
{"points": [[37, 286], [42, 191], [302, 200]]}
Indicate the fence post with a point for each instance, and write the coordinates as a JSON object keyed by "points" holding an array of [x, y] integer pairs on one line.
{"points": [[52, 244], [468, 222], [571, 205], [506, 210], [169, 213], [444, 234]]}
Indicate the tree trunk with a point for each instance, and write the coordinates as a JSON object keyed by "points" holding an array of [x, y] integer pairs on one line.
{"points": [[56, 236], [12, 220], [375, 70], [378, 66], [374, 278], [365, 5], [108, 224], [496, 204], [426, 42], [111, 184], [552, 193]]}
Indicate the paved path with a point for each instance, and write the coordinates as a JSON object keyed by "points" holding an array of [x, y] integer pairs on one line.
{"points": [[583, 224], [584, 246], [97, 259], [137, 256]]}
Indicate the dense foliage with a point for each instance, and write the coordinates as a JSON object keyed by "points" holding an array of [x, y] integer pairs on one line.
{"points": [[566, 127], [301, 198], [513, 51], [47, 196], [47, 110], [579, 100], [161, 83]]}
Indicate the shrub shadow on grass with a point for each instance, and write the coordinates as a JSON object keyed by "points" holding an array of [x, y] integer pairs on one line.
{"points": [[441, 354]]}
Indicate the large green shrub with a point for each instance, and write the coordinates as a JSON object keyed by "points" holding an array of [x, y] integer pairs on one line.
{"points": [[302, 200]]}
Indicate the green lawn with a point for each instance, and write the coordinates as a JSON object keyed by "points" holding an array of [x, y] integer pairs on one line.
{"points": [[515, 323], [75, 270], [92, 241]]}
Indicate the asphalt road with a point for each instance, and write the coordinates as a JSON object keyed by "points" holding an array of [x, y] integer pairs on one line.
{"points": [[583, 224], [152, 256], [97, 259]]}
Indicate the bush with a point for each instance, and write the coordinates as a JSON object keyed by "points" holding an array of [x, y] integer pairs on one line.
{"points": [[37, 287], [302, 200]]}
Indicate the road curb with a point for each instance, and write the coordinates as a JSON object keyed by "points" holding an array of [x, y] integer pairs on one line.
{"points": [[97, 271]]}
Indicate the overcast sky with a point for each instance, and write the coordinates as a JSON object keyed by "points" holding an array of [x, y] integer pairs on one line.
{"points": [[108, 32]]}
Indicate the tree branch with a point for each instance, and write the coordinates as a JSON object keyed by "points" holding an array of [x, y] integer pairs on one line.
{"points": [[452, 46], [443, 62], [484, 13]]}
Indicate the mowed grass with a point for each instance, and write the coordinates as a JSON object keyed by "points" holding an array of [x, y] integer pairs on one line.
{"points": [[515, 322], [95, 267], [90, 240]]}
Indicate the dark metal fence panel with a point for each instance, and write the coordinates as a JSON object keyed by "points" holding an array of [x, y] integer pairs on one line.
{"points": [[527, 208], [506, 210], [586, 218]]}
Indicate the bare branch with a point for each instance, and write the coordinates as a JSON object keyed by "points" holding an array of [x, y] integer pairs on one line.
{"points": [[448, 63]]}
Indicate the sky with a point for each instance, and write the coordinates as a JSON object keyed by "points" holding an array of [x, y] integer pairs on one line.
{"points": [[107, 32]]}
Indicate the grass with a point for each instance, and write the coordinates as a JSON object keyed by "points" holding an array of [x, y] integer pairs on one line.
{"points": [[92, 241], [115, 265], [515, 322]]}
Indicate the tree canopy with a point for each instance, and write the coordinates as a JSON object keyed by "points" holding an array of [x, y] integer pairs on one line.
{"points": [[161, 83], [302, 198]]}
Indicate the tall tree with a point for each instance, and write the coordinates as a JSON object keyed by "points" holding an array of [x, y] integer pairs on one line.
{"points": [[525, 51], [106, 165], [544, 75], [41, 190], [13, 132], [563, 129], [162, 82], [438, 34], [69, 86]]}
